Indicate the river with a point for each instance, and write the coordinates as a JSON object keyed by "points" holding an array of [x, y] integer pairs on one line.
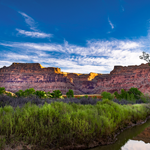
{"points": [[135, 138]]}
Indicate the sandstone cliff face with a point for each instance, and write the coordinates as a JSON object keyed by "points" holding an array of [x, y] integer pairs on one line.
{"points": [[22, 76]]}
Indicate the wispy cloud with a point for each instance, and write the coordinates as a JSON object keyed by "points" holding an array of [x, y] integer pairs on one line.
{"points": [[33, 26], [122, 8], [31, 23], [34, 34], [94, 57], [112, 26]]}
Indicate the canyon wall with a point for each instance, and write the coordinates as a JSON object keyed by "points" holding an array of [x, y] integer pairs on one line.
{"points": [[22, 76]]}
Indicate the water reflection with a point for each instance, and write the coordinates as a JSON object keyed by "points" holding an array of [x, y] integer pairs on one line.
{"points": [[136, 145], [136, 138]]}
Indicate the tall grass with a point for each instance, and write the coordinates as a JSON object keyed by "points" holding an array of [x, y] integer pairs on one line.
{"points": [[58, 124]]}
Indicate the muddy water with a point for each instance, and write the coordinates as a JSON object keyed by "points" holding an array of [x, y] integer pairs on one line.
{"points": [[135, 138]]}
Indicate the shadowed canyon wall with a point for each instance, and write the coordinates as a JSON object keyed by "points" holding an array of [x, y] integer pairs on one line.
{"points": [[22, 76]]}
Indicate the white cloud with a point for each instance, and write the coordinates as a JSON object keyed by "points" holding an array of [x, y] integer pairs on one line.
{"points": [[34, 34], [98, 56], [112, 26], [136, 145], [29, 21]]}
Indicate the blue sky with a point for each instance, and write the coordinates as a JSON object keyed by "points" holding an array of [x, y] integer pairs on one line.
{"points": [[79, 36]]}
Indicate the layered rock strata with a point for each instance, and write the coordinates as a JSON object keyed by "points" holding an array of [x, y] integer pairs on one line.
{"points": [[22, 76]]}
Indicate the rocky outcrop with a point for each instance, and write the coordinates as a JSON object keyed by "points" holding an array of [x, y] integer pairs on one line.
{"points": [[22, 76]]}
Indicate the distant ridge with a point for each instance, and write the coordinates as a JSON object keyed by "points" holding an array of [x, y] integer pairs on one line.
{"points": [[22, 76]]}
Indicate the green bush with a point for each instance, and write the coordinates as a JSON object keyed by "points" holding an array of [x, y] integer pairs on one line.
{"points": [[9, 94], [118, 96], [49, 95], [145, 98], [2, 90], [29, 92], [132, 95], [123, 94], [20, 93], [107, 95], [136, 92], [41, 94], [70, 93], [56, 94], [86, 96]]}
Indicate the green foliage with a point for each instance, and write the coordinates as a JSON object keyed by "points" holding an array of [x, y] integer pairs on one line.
{"points": [[136, 92], [70, 93], [2, 90], [118, 96], [132, 95], [123, 94], [30, 91], [49, 95], [107, 95], [20, 93], [41, 94], [56, 94], [86, 96], [9, 94], [145, 98], [68, 123]]}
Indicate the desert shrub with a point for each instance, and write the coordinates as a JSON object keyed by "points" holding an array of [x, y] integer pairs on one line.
{"points": [[145, 98], [49, 95], [20, 93], [131, 95], [70, 93], [9, 94], [41, 94], [2, 90], [30, 91], [86, 96], [94, 97], [118, 96], [123, 94], [107, 95], [136, 92], [56, 94], [132, 98]]}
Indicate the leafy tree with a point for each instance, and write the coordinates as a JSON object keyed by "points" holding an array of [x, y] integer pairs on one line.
{"points": [[107, 95], [135, 92], [70, 93], [20, 93], [41, 94], [30, 91], [118, 96], [56, 94], [145, 57], [123, 94]]}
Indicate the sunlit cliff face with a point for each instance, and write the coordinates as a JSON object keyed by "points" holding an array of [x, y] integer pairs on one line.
{"points": [[41, 66]]}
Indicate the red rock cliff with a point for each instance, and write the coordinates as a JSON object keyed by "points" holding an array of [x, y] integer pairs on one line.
{"points": [[21, 76]]}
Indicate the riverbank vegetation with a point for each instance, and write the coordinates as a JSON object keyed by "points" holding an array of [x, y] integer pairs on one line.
{"points": [[68, 121]]}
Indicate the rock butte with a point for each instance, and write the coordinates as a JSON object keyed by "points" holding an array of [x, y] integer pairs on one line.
{"points": [[22, 76]]}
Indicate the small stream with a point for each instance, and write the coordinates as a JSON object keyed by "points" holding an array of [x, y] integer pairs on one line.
{"points": [[135, 138]]}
